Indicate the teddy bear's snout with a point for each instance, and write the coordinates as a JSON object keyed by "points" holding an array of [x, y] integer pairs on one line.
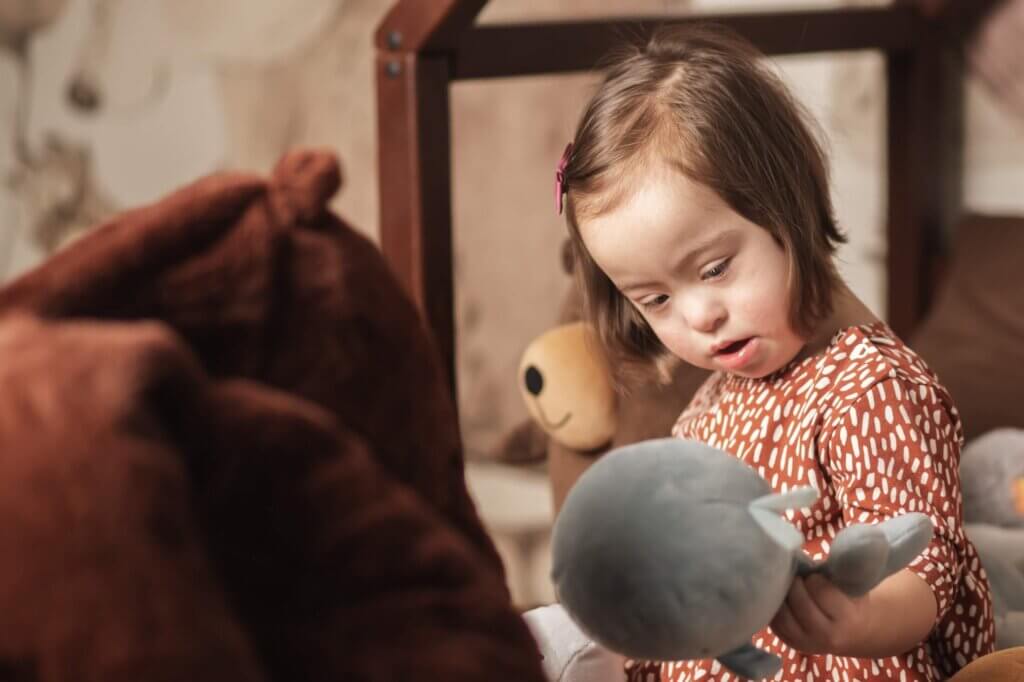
{"points": [[83, 94], [534, 380]]}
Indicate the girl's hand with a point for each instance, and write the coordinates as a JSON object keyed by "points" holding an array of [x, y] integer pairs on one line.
{"points": [[819, 618]]}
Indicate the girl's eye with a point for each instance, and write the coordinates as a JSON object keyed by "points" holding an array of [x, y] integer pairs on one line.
{"points": [[654, 301], [717, 270]]}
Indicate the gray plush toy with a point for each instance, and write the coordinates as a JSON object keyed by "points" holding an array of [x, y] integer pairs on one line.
{"points": [[670, 549], [992, 480]]}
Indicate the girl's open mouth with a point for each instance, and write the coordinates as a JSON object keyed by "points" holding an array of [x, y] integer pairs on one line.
{"points": [[737, 354], [734, 347]]}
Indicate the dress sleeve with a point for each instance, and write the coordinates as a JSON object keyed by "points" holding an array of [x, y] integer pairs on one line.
{"points": [[643, 671], [896, 449]]}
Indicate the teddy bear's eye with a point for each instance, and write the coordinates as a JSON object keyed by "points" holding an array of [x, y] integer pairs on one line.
{"points": [[534, 380]]}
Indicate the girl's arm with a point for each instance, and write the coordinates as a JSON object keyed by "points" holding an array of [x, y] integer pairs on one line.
{"points": [[818, 618], [894, 450]]}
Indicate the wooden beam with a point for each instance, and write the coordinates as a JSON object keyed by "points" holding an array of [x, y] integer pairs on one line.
{"points": [[414, 172], [426, 25], [558, 47], [925, 143]]}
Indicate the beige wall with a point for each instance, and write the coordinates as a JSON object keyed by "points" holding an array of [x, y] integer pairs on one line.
{"points": [[188, 86]]}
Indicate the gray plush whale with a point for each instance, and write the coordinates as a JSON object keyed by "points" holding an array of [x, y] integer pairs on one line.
{"points": [[670, 549]]}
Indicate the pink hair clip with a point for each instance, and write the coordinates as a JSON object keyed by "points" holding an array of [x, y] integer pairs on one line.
{"points": [[560, 186]]}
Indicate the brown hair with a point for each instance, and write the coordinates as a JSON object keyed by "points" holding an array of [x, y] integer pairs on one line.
{"points": [[699, 97]]}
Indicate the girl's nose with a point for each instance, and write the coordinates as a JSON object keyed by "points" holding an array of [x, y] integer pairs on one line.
{"points": [[705, 316]]}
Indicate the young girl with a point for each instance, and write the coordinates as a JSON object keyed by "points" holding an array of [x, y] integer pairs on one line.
{"points": [[698, 206]]}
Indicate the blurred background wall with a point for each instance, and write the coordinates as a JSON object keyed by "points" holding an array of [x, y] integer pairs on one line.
{"points": [[106, 104]]}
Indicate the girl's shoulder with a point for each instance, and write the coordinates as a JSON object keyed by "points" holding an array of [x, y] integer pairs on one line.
{"points": [[873, 368], [864, 355], [867, 366]]}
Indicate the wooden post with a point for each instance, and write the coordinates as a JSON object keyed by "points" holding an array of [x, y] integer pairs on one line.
{"points": [[415, 43], [925, 142], [414, 173]]}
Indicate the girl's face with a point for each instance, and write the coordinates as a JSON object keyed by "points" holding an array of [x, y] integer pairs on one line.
{"points": [[712, 285]]}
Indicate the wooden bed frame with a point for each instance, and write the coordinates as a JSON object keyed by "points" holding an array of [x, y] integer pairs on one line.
{"points": [[423, 46]]}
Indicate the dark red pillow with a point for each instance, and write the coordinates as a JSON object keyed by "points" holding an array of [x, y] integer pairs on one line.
{"points": [[974, 336]]}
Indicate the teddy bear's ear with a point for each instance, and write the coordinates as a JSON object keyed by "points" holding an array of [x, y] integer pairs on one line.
{"points": [[304, 180]]}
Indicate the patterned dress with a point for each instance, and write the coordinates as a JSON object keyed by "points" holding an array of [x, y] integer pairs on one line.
{"points": [[868, 424]]}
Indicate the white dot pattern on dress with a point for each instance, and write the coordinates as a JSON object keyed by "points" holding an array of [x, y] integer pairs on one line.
{"points": [[866, 423]]}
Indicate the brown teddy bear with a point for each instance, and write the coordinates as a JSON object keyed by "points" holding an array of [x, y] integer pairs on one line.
{"points": [[229, 452], [563, 372], [561, 383]]}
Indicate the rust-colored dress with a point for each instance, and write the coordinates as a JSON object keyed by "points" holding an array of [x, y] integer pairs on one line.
{"points": [[868, 424]]}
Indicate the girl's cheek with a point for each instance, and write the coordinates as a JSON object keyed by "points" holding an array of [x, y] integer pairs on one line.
{"points": [[749, 302], [673, 340]]}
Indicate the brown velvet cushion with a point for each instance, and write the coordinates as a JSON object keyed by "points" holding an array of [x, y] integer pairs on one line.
{"points": [[974, 336]]}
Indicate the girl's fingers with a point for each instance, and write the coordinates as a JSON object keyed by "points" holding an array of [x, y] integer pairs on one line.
{"points": [[829, 599], [787, 629], [806, 611]]}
